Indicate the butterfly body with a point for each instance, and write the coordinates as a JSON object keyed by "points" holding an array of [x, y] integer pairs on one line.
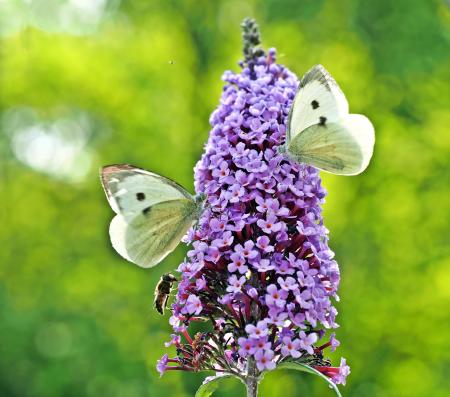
{"points": [[320, 130], [153, 213]]}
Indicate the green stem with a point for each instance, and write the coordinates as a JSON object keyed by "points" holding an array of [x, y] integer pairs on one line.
{"points": [[252, 379]]}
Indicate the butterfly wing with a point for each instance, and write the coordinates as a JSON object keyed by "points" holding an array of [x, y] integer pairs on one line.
{"points": [[131, 189], [343, 148], [152, 235], [319, 100], [153, 213]]}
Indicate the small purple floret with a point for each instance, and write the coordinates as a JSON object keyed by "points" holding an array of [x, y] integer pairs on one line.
{"points": [[161, 366]]}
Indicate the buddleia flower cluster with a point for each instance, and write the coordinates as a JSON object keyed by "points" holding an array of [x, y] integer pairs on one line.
{"points": [[259, 273]]}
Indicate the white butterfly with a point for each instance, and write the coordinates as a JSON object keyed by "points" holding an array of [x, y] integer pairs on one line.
{"points": [[322, 133], [153, 213]]}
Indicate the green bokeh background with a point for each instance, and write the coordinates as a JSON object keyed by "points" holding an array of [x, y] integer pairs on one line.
{"points": [[137, 81]]}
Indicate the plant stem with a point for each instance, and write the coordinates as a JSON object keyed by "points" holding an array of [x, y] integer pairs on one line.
{"points": [[252, 378]]}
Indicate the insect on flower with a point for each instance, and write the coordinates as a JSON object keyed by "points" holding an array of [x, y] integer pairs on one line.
{"points": [[153, 213], [162, 292]]}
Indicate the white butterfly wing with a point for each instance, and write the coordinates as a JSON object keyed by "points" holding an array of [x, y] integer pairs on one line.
{"points": [[153, 213], [343, 148], [151, 236], [319, 100], [130, 189]]}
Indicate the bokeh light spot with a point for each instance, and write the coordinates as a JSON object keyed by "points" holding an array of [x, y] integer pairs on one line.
{"points": [[54, 340]]}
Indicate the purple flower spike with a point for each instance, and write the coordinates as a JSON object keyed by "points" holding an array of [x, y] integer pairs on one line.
{"points": [[259, 267]]}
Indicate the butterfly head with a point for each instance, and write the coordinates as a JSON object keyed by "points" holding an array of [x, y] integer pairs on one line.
{"points": [[281, 149], [200, 200], [288, 155]]}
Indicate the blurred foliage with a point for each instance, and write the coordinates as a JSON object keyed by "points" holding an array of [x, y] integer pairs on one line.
{"points": [[137, 80]]}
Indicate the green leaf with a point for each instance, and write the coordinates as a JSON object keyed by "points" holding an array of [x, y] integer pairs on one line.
{"points": [[310, 370], [210, 385]]}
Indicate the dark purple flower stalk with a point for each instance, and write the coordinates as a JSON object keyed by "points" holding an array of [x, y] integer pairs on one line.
{"points": [[260, 270]]}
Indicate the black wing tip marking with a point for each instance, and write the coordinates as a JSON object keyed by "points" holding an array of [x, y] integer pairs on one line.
{"points": [[112, 168], [320, 74], [108, 171]]}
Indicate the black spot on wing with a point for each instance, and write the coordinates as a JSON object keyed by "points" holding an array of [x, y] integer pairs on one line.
{"points": [[322, 120], [314, 104], [145, 211], [140, 196]]}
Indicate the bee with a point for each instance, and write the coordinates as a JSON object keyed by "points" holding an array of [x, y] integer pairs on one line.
{"points": [[162, 292]]}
